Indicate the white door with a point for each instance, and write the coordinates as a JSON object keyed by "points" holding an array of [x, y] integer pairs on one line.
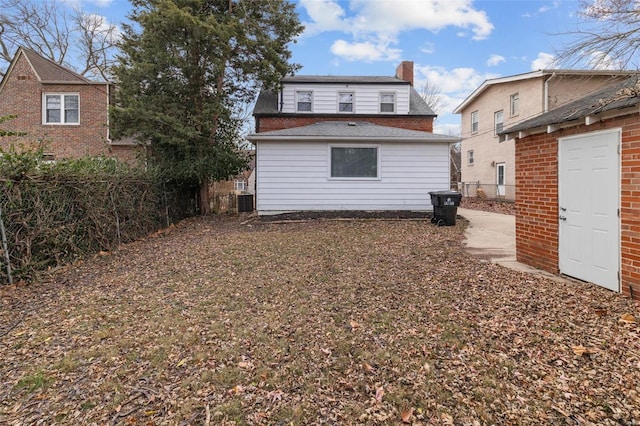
{"points": [[589, 238], [500, 179]]}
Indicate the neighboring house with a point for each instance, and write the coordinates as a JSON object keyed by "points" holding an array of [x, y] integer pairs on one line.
{"points": [[58, 107], [577, 180], [347, 143], [488, 160]]}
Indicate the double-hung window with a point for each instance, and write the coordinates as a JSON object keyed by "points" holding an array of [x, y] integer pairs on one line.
{"points": [[387, 102], [304, 101], [514, 102], [499, 125], [354, 162], [474, 122], [61, 108], [470, 157], [345, 101]]}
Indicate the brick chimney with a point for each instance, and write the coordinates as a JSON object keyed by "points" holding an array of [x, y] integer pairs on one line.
{"points": [[405, 71]]}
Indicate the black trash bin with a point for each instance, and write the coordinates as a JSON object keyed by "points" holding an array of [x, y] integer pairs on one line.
{"points": [[445, 207]]}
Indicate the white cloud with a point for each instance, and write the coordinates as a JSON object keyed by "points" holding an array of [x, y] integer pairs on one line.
{"points": [[449, 129], [428, 48], [543, 61], [495, 60], [364, 51], [602, 61], [379, 23], [547, 7], [456, 82]]}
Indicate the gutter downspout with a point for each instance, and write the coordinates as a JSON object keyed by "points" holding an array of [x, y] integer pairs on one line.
{"points": [[109, 141], [546, 92]]}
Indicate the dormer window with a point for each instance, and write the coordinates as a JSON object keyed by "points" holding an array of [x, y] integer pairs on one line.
{"points": [[304, 101], [387, 102], [345, 102]]}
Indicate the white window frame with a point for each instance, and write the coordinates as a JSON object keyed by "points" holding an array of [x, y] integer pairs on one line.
{"points": [[395, 102], [470, 159], [240, 185], [297, 94], [474, 122], [62, 121], [514, 104], [352, 103], [497, 123], [378, 155]]}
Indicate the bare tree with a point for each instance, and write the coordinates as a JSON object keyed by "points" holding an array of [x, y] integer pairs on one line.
{"points": [[433, 96], [83, 42], [607, 36]]}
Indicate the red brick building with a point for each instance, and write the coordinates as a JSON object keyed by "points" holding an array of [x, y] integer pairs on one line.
{"points": [[578, 189], [59, 108]]}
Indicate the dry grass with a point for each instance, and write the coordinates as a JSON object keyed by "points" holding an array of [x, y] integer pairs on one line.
{"points": [[324, 322]]}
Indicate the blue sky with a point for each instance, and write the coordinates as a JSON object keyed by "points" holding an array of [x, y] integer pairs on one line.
{"points": [[455, 44]]}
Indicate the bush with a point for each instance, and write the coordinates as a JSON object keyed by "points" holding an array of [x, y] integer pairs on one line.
{"points": [[55, 213]]}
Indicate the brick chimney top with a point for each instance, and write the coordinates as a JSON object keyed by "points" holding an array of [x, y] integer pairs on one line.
{"points": [[405, 71]]}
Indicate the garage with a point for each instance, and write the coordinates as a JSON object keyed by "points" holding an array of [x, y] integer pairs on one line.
{"points": [[578, 189]]}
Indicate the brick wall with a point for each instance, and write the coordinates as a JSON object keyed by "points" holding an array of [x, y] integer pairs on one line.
{"points": [[266, 124], [537, 199], [22, 96]]}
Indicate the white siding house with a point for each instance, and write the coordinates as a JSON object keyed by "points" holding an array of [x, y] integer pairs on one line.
{"points": [[332, 166], [336, 143]]}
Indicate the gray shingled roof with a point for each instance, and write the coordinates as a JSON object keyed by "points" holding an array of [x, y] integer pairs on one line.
{"points": [[51, 72], [335, 130], [615, 97], [332, 79], [267, 102]]}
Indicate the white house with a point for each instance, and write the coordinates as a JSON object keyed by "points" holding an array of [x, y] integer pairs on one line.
{"points": [[327, 143]]}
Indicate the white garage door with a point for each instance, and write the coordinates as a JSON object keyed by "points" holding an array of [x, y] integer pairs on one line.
{"points": [[589, 246]]}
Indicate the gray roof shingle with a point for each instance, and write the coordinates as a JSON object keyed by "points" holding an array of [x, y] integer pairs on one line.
{"points": [[622, 95], [352, 130], [51, 72]]}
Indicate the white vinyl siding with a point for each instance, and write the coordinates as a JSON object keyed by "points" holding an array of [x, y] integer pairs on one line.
{"points": [[366, 97], [294, 176]]}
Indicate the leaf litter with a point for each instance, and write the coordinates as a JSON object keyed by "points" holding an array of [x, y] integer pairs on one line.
{"points": [[224, 321]]}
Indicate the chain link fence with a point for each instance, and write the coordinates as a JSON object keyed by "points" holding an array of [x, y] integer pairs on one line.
{"points": [[48, 223], [489, 191]]}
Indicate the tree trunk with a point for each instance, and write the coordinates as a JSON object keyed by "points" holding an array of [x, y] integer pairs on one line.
{"points": [[203, 199]]}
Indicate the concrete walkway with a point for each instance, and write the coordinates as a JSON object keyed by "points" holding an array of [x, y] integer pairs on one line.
{"points": [[492, 236]]}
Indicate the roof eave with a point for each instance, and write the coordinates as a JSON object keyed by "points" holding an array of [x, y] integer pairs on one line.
{"points": [[258, 137], [586, 120]]}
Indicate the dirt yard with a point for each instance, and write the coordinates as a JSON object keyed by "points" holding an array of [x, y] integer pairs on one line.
{"points": [[229, 320]]}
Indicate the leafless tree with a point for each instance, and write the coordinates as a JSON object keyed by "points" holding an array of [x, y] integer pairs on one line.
{"points": [[606, 37], [70, 37], [433, 96]]}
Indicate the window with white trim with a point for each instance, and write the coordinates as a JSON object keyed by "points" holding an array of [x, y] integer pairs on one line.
{"points": [[499, 121], [345, 101], [470, 157], [61, 108], [304, 101], [387, 102], [354, 162], [514, 104], [240, 185], [474, 122]]}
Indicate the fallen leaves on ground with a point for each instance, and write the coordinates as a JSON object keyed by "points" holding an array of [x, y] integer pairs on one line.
{"points": [[226, 321]]}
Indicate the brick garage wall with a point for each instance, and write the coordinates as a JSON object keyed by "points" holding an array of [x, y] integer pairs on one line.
{"points": [[537, 202], [22, 96], [421, 123], [537, 199]]}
